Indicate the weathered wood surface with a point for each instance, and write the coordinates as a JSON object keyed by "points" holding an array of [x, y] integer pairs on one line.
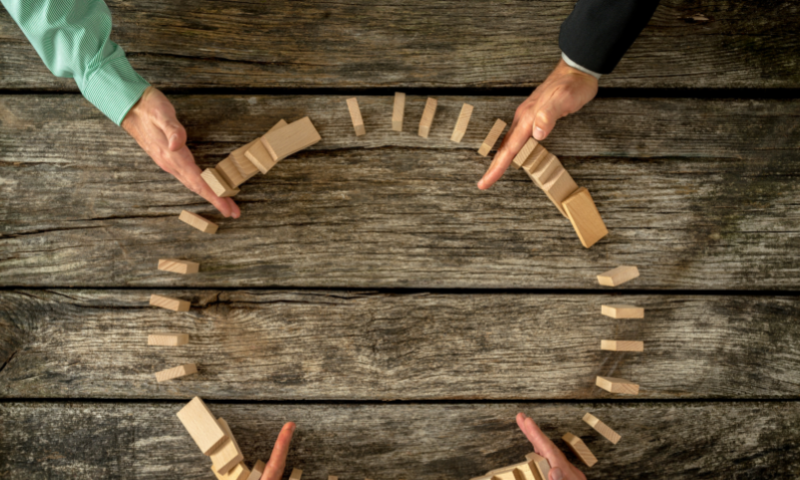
{"points": [[385, 442], [332, 345], [367, 44], [699, 194]]}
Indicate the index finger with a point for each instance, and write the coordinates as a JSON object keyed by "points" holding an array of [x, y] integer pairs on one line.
{"points": [[277, 460], [515, 139], [188, 174], [541, 442]]}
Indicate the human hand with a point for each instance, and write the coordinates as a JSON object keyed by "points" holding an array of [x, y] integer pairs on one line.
{"points": [[277, 460], [560, 468], [566, 90], [152, 122]]}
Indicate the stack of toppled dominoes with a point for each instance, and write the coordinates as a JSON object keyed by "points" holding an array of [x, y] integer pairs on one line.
{"points": [[572, 201], [261, 155], [214, 438], [534, 467]]}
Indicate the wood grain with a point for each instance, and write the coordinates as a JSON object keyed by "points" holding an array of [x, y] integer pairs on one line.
{"points": [[428, 442], [367, 44], [334, 345], [700, 194]]}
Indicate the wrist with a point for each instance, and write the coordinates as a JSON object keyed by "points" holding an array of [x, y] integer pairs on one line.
{"points": [[564, 68]]}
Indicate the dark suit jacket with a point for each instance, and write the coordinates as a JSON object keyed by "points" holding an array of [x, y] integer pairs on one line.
{"points": [[598, 32]]}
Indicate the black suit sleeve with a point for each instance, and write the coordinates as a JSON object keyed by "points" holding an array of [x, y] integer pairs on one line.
{"points": [[598, 32]]}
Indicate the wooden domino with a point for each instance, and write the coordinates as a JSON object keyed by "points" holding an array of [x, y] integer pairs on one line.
{"points": [[618, 276], [296, 474], [539, 465], [201, 425], [548, 166], [398, 111], [256, 153], [524, 153], [169, 303], [622, 345], [217, 183], [176, 372], [505, 469], [184, 267], [491, 138], [559, 188], [585, 218], [535, 159], [226, 456], [292, 138], [507, 474], [617, 385], [239, 472], [427, 118], [622, 311], [602, 428], [579, 449], [198, 222], [229, 172], [355, 116], [462, 123], [168, 339], [257, 471]]}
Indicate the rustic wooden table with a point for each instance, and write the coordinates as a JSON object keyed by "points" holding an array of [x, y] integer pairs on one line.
{"points": [[370, 292]]}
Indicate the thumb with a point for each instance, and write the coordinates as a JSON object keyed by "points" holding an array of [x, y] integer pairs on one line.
{"points": [[175, 133], [553, 109], [555, 474]]}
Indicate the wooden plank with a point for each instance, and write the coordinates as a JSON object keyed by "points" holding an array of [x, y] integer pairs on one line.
{"points": [[363, 44], [411, 215], [146, 441], [332, 345]]}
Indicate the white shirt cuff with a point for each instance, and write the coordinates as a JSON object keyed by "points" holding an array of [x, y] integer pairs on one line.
{"points": [[578, 67]]}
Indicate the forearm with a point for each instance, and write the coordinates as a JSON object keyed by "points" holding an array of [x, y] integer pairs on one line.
{"points": [[597, 33], [72, 38]]}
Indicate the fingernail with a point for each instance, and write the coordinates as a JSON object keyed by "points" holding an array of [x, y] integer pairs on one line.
{"points": [[538, 133], [480, 184], [555, 474]]}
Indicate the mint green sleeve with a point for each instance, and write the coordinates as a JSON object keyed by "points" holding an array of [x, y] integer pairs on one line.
{"points": [[72, 37]]}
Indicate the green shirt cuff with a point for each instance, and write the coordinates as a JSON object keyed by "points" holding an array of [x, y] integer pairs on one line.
{"points": [[115, 88]]}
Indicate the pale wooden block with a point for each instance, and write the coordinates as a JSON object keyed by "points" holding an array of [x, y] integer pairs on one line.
{"points": [[427, 117], [524, 153], [462, 123], [539, 155], [239, 472], [260, 157], [505, 469], [217, 183], [491, 138], [176, 372], [184, 267], [398, 111], [512, 474], [246, 168], [201, 425], [539, 465], [622, 311], [256, 153], [617, 385], [168, 339], [618, 276], [482, 477], [355, 116], [290, 139], [257, 471], [622, 345], [228, 454], [559, 188], [585, 218], [547, 168], [169, 303], [198, 222], [579, 449], [602, 428], [296, 474], [229, 172]]}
